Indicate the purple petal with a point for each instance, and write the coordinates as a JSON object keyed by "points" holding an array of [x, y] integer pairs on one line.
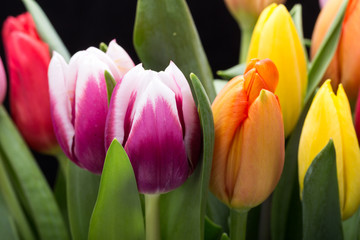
{"points": [[60, 103], [2, 82], [91, 108], [121, 58], [155, 145], [122, 103]]}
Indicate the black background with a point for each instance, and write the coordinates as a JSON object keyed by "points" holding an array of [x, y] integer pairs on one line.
{"points": [[87, 23]]}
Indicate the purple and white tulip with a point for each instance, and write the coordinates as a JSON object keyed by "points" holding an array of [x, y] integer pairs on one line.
{"points": [[2, 82], [79, 102], [153, 115]]}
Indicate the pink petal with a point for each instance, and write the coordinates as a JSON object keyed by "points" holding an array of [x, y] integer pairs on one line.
{"points": [[2, 82]]}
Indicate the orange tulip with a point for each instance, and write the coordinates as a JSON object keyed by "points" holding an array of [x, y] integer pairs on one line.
{"points": [[344, 65], [249, 137]]}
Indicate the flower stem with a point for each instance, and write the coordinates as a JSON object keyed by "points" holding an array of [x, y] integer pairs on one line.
{"points": [[152, 218], [246, 34], [63, 162], [238, 224]]}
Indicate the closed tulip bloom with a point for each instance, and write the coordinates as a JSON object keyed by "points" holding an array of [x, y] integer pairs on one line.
{"points": [[275, 37], [249, 137], [28, 59], [153, 115], [343, 67], [329, 117], [2, 82], [246, 12], [79, 104]]}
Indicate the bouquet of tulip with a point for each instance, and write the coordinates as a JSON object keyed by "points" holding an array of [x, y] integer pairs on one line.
{"points": [[162, 150]]}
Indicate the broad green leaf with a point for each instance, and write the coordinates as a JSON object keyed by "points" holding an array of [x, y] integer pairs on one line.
{"points": [[325, 52], [117, 213], [283, 195], [82, 190], [7, 223], [182, 211], [45, 29], [31, 185], [212, 230], [296, 14], [165, 31], [110, 84], [232, 72], [321, 205], [351, 227]]}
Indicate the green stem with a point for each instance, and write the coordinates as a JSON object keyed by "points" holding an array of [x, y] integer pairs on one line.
{"points": [[63, 162], [246, 34], [152, 218], [238, 224], [13, 203]]}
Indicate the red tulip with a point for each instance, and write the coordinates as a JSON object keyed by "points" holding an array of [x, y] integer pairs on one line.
{"points": [[28, 59]]}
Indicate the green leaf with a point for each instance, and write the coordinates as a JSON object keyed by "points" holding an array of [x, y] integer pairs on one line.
{"points": [[321, 205], [217, 211], [232, 72], [182, 211], [82, 190], [325, 52], [296, 14], [110, 84], [35, 193], [225, 237], [212, 230], [219, 85], [283, 195], [45, 29], [351, 227], [117, 213], [7, 224], [164, 30]]}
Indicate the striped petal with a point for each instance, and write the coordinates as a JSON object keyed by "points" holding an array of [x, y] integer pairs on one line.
{"points": [[155, 145], [60, 103]]}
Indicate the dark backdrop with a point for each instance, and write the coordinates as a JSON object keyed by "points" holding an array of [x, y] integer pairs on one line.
{"points": [[87, 23]]}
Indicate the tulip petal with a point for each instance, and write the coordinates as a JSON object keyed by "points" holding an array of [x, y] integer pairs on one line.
{"points": [[259, 142], [60, 103], [229, 110], [155, 145], [321, 124], [187, 111], [122, 103], [91, 108], [2, 82], [351, 154], [121, 58]]}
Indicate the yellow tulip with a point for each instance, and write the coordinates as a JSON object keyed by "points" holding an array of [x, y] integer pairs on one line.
{"points": [[330, 117], [249, 138], [275, 37]]}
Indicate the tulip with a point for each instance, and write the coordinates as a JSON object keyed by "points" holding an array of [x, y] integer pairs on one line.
{"points": [[343, 67], [2, 82], [329, 117], [153, 115], [28, 60], [246, 12], [249, 137], [275, 37], [79, 102], [357, 117], [322, 3]]}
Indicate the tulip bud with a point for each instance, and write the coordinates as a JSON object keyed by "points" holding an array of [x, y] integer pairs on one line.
{"points": [[249, 137], [2, 82], [154, 116], [79, 102], [329, 116], [28, 60], [246, 12], [343, 68], [275, 37]]}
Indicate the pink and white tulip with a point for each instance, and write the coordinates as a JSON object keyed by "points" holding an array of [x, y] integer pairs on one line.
{"points": [[2, 82], [154, 116], [79, 102]]}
